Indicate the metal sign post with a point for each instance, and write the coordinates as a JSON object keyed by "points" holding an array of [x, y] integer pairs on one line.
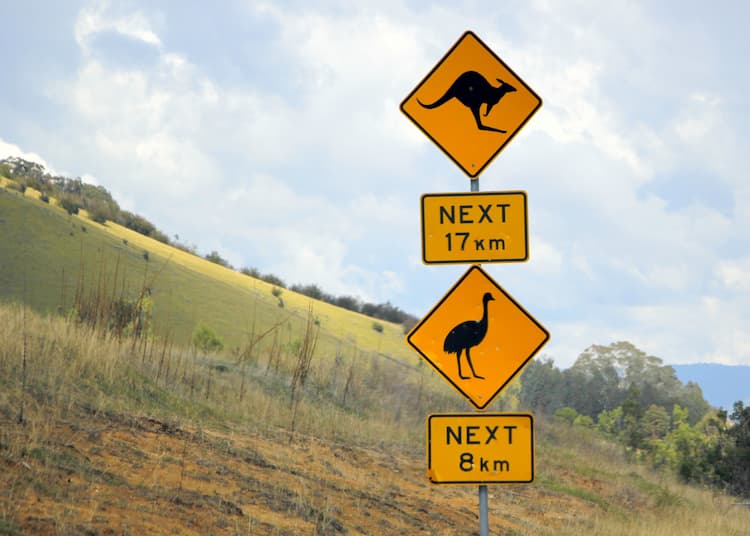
{"points": [[484, 514], [471, 105]]}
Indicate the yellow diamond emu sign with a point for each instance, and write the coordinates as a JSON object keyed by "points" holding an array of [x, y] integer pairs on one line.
{"points": [[471, 104], [477, 337]]}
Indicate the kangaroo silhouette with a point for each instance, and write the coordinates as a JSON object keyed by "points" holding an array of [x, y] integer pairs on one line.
{"points": [[472, 90], [466, 335]]}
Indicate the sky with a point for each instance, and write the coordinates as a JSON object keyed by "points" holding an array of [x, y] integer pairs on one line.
{"points": [[271, 133]]}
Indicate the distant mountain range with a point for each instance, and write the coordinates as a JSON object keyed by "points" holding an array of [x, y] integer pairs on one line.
{"points": [[722, 385]]}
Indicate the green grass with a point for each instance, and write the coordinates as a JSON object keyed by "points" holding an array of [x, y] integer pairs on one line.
{"points": [[44, 251]]}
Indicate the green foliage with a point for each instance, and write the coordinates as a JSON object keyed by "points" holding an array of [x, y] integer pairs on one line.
{"points": [[15, 186], [584, 421], [656, 422], [566, 414], [100, 212], [610, 422], [541, 386], [70, 203], [312, 291], [273, 280], [349, 303], [377, 326], [217, 259], [603, 378], [276, 292], [206, 340], [252, 272], [140, 225], [733, 466]]}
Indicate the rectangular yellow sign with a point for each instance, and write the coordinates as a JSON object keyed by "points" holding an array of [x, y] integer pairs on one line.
{"points": [[480, 448], [474, 227]]}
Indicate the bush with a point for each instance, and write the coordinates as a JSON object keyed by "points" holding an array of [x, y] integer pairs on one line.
{"points": [[99, 211], [567, 414], [13, 186], [252, 272], [215, 258], [206, 340], [71, 204], [274, 280], [377, 326]]}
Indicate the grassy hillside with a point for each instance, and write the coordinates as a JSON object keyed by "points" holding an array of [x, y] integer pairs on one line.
{"points": [[101, 433], [120, 435], [50, 250]]}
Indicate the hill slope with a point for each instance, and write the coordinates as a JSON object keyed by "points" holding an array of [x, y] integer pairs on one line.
{"points": [[50, 250], [102, 433], [116, 439]]}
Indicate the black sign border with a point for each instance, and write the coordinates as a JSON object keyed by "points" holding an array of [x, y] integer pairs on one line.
{"points": [[484, 260], [435, 68], [471, 482], [491, 398]]}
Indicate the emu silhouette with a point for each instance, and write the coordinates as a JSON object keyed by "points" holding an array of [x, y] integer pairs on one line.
{"points": [[467, 335], [472, 90]]}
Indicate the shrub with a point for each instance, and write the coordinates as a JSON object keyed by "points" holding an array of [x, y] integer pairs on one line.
{"points": [[252, 272], [206, 340], [215, 258], [567, 414], [274, 280], [377, 326], [99, 211], [13, 186], [70, 204]]}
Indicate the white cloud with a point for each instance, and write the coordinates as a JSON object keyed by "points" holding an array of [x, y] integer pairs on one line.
{"points": [[100, 17], [301, 164], [10, 149], [734, 275]]}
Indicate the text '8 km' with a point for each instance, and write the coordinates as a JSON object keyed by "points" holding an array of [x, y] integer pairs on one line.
{"points": [[480, 448]]}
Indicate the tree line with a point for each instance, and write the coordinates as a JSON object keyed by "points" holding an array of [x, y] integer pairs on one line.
{"points": [[637, 400]]}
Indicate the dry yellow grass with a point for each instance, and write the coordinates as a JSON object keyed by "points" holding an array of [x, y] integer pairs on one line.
{"points": [[115, 435]]}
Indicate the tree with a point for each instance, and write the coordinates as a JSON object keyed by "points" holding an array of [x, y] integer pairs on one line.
{"points": [[655, 422], [738, 457], [567, 414], [206, 340], [70, 204], [217, 259], [610, 422], [632, 412], [273, 280], [541, 386]]}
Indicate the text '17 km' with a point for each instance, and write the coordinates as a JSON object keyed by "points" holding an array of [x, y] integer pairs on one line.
{"points": [[469, 227], [466, 216]]}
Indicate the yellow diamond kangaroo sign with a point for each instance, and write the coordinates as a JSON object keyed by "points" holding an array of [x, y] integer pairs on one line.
{"points": [[471, 104], [477, 337]]}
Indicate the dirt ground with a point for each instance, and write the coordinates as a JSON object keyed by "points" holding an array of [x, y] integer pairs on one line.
{"points": [[111, 474]]}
